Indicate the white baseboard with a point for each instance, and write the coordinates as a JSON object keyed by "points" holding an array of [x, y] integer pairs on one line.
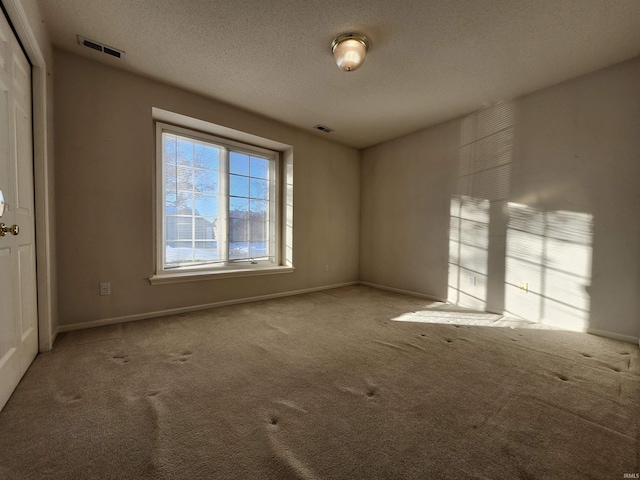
{"points": [[174, 311], [592, 331], [404, 292], [614, 336], [193, 308]]}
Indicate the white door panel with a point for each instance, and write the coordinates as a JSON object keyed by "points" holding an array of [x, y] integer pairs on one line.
{"points": [[18, 295], [28, 301], [9, 355], [6, 300]]}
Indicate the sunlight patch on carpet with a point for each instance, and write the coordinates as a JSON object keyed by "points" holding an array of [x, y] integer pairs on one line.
{"points": [[476, 319]]}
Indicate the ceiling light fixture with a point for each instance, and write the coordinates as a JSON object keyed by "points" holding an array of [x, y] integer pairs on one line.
{"points": [[349, 50]]}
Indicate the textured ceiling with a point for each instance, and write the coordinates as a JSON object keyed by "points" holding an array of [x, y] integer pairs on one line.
{"points": [[429, 61]]}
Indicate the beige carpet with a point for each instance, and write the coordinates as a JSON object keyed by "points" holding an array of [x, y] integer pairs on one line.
{"points": [[329, 385]]}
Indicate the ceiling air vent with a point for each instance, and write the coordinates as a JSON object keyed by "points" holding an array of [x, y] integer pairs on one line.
{"points": [[324, 129], [114, 52]]}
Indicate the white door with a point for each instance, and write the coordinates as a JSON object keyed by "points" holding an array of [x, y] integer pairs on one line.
{"points": [[18, 298]]}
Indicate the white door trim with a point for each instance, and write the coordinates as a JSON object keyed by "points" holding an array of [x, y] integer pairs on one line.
{"points": [[43, 186]]}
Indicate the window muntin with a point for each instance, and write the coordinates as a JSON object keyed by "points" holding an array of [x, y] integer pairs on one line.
{"points": [[219, 202]]}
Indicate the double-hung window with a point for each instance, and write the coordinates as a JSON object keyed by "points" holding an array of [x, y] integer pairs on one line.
{"points": [[219, 202]]}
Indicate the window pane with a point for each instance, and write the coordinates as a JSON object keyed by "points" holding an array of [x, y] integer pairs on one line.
{"points": [[185, 228], [205, 251], [206, 157], [185, 178], [185, 151], [206, 180], [258, 249], [238, 250], [171, 228], [259, 167], [238, 163], [238, 186], [206, 205], [170, 201], [170, 148], [259, 188], [204, 228], [178, 228], [184, 204], [237, 230], [170, 177], [259, 210], [238, 208], [258, 231], [178, 252]]}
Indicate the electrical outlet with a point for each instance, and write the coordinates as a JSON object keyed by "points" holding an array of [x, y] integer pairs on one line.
{"points": [[471, 281], [105, 288], [326, 268], [524, 287]]}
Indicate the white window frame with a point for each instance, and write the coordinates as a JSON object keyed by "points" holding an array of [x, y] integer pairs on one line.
{"points": [[230, 268]]}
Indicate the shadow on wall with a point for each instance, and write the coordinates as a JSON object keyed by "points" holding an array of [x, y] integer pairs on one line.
{"points": [[506, 257], [478, 216]]}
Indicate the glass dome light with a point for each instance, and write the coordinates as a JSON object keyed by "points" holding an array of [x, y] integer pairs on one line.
{"points": [[349, 50]]}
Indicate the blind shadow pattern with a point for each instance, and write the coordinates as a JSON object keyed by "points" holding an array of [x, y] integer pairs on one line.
{"points": [[478, 215], [548, 266], [511, 258], [468, 252]]}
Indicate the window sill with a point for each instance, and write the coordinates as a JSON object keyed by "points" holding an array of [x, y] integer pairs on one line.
{"points": [[195, 276]]}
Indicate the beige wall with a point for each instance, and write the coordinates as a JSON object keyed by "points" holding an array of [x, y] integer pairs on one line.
{"points": [[550, 191], [104, 179], [406, 189]]}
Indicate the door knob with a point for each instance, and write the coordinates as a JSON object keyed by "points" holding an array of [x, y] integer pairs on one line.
{"points": [[13, 229]]}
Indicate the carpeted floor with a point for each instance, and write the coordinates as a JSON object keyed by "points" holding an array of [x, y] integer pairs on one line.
{"points": [[352, 383]]}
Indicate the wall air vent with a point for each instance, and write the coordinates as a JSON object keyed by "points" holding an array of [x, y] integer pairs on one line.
{"points": [[114, 52], [324, 129]]}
